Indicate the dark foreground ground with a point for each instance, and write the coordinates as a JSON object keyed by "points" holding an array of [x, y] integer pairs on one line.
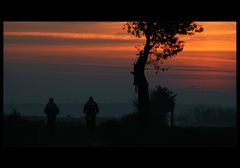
{"points": [[34, 134]]}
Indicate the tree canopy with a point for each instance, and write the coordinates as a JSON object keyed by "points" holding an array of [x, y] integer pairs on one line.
{"points": [[162, 37]]}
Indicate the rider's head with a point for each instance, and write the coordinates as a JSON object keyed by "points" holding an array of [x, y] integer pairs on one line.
{"points": [[91, 98], [51, 100]]}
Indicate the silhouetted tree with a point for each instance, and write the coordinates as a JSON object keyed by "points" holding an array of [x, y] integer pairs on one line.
{"points": [[162, 42], [162, 101]]}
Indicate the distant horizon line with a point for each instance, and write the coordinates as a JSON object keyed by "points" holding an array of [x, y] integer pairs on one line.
{"points": [[119, 102]]}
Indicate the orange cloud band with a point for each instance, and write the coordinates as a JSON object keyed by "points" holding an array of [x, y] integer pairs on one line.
{"points": [[72, 35]]}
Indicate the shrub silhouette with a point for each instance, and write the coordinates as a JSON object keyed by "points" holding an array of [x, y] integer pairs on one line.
{"points": [[162, 101], [14, 116]]}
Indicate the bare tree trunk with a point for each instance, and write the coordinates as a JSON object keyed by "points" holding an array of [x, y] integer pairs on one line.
{"points": [[143, 97], [141, 83]]}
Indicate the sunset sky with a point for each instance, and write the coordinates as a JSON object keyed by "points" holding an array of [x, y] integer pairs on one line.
{"points": [[71, 61]]}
